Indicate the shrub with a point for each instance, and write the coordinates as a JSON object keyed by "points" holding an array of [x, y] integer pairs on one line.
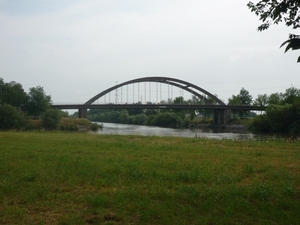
{"points": [[166, 120], [11, 118], [71, 124], [95, 126], [51, 119]]}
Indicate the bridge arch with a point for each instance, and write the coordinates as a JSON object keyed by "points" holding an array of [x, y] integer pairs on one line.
{"points": [[166, 80]]}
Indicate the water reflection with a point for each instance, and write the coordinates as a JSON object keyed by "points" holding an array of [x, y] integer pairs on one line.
{"points": [[126, 129]]}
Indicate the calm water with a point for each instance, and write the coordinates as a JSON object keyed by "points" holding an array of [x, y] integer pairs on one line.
{"points": [[126, 129]]}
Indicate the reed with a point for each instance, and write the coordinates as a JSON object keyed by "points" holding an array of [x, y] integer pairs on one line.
{"points": [[83, 178]]}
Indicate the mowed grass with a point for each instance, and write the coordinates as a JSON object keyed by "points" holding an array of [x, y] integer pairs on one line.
{"points": [[81, 178]]}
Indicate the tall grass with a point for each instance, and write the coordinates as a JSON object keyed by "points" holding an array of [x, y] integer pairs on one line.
{"points": [[80, 178]]}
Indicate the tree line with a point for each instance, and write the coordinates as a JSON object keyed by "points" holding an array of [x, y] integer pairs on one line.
{"points": [[282, 110], [38, 114]]}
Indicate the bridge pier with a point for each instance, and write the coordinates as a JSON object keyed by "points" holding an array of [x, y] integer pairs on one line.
{"points": [[221, 116], [82, 113]]}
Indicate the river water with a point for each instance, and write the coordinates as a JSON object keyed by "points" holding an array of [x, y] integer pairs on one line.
{"points": [[127, 129]]}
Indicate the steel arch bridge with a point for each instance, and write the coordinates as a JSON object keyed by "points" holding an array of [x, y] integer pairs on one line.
{"points": [[221, 112], [189, 87]]}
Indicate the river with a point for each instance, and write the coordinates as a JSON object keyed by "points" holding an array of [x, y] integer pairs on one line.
{"points": [[127, 129]]}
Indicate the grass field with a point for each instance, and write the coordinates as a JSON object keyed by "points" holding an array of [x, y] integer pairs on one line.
{"points": [[81, 178]]}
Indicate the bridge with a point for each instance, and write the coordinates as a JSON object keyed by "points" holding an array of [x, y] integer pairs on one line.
{"points": [[150, 89]]}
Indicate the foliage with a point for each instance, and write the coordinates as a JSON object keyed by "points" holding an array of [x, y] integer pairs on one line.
{"points": [[243, 98], [11, 118], [282, 113], [12, 93], [279, 118], [124, 117], [51, 119], [166, 120], [186, 122], [261, 100], [95, 127], [293, 43], [37, 101], [275, 98], [291, 96], [139, 119], [71, 124], [64, 113], [274, 12]]}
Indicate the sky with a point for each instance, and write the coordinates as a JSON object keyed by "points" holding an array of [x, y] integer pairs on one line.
{"points": [[76, 49]]}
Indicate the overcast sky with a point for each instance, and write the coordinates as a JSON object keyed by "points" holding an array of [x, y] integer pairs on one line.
{"points": [[76, 49]]}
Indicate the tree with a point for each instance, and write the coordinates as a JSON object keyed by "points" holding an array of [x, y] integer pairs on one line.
{"points": [[51, 119], [275, 98], [291, 95], [261, 100], [11, 118], [234, 100], [293, 43], [12, 93], [243, 98], [124, 116], [274, 12], [37, 101]]}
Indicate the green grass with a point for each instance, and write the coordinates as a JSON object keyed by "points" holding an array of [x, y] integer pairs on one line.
{"points": [[81, 178]]}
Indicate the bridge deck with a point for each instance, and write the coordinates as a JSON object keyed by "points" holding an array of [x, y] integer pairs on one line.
{"points": [[157, 106]]}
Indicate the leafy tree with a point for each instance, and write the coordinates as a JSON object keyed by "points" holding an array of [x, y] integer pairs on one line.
{"points": [[179, 100], [274, 12], [166, 120], [139, 119], [261, 100], [11, 118], [234, 100], [135, 111], [12, 93], [64, 114], [124, 116], [243, 98], [275, 98], [51, 119], [37, 101], [180, 112], [291, 95], [293, 43], [195, 101]]}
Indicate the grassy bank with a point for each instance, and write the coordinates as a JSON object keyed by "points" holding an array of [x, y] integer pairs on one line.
{"points": [[81, 178]]}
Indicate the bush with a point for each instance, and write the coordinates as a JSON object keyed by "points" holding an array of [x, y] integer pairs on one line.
{"points": [[11, 118], [51, 119], [166, 120], [71, 124], [279, 119], [186, 122], [95, 126]]}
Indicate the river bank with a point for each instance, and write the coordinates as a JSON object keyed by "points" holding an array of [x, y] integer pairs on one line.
{"points": [[238, 127]]}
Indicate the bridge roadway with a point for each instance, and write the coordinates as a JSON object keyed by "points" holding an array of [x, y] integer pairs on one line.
{"points": [[157, 106]]}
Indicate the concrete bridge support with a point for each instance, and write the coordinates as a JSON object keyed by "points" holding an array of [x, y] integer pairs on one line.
{"points": [[221, 116], [82, 113]]}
